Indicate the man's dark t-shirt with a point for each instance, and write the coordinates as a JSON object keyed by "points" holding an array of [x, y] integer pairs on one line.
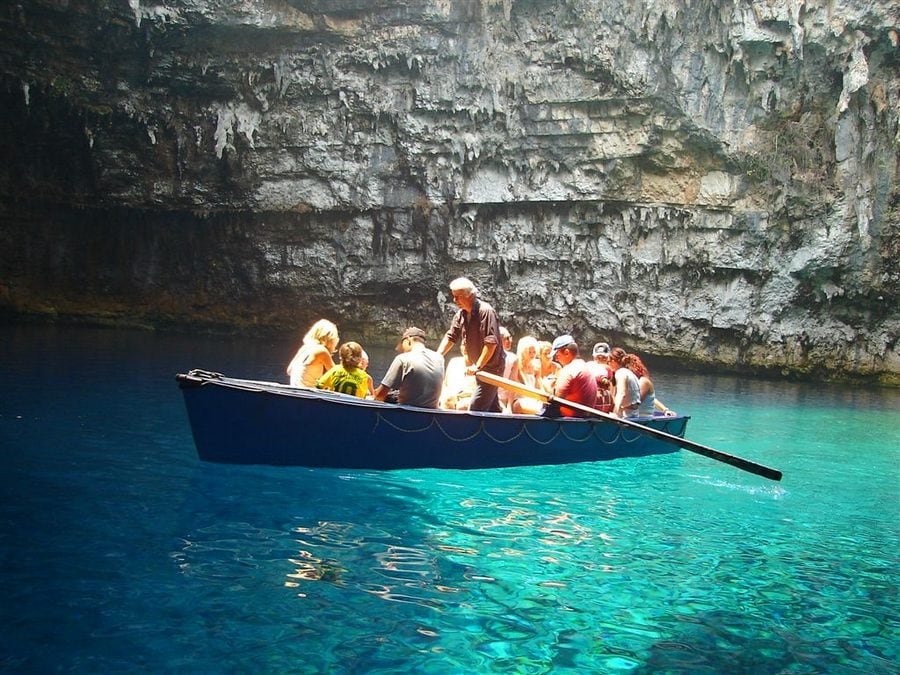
{"points": [[476, 329]]}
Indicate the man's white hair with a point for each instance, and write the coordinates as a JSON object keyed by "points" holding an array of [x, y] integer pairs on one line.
{"points": [[463, 284]]}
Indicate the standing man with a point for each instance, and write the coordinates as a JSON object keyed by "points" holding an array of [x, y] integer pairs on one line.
{"points": [[476, 324], [417, 372], [575, 381]]}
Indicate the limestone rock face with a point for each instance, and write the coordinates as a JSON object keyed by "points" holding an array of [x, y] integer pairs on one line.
{"points": [[712, 180]]}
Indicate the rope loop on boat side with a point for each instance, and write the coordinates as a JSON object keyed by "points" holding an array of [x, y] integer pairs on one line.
{"points": [[620, 434], [588, 436], [615, 438], [637, 436], [538, 440], [502, 441], [380, 418], [524, 428], [478, 431]]}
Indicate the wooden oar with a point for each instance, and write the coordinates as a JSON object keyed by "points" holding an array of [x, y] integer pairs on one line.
{"points": [[706, 451]]}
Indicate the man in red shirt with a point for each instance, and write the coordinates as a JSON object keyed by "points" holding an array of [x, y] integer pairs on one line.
{"points": [[575, 381]]}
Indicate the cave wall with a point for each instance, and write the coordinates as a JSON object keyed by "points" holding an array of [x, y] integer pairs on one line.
{"points": [[715, 181]]}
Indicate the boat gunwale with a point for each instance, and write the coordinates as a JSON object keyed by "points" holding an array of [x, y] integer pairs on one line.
{"points": [[278, 388]]}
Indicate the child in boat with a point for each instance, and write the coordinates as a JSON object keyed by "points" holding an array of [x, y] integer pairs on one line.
{"points": [[364, 365], [347, 377]]}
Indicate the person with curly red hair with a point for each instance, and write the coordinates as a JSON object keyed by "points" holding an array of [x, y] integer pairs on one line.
{"points": [[649, 404], [628, 389]]}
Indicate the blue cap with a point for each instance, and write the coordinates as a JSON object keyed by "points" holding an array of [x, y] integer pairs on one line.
{"points": [[560, 342]]}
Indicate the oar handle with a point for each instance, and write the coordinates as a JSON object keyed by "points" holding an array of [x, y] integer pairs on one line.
{"points": [[706, 451]]}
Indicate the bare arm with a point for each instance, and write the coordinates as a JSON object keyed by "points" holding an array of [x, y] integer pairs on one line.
{"points": [[647, 388], [445, 346], [619, 395], [323, 357], [659, 405]]}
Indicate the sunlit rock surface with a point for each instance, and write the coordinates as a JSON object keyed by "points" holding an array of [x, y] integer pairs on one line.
{"points": [[715, 181]]}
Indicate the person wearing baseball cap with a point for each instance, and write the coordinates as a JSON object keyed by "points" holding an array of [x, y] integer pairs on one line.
{"points": [[410, 335], [559, 343], [600, 365], [416, 373], [575, 382], [603, 373], [601, 349]]}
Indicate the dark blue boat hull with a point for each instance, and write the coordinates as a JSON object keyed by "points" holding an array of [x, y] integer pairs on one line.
{"points": [[249, 422]]}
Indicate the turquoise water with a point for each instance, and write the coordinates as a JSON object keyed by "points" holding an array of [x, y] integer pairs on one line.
{"points": [[122, 553]]}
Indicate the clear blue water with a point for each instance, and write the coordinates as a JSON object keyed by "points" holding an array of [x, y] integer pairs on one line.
{"points": [[121, 552]]}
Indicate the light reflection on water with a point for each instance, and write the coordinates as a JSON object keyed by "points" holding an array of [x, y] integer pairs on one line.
{"points": [[121, 552]]}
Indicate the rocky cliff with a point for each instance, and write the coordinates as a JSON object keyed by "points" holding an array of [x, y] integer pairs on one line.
{"points": [[707, 179]]}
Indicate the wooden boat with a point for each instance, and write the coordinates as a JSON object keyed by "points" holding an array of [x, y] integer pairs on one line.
{"points": [[251, 422]]}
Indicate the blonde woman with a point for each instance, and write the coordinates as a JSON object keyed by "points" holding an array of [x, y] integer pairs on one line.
{"points": [[525, 370], [548, 368], [313, 359]]}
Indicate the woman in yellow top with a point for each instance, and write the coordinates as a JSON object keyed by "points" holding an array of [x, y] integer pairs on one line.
{"points": [[347, 377]]}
